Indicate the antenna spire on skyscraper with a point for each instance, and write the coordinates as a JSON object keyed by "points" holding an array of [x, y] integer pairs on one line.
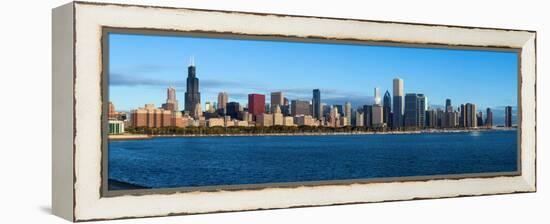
{"points": [[192, 61]]}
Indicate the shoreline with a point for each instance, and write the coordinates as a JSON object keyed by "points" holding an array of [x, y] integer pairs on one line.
{"points": [[426, 131]]}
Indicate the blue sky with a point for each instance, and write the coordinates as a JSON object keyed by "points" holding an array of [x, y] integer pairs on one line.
{"points": [[143, 66]]}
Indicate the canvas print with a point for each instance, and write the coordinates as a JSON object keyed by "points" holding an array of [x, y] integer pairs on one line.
{"points": [[192, 112]]}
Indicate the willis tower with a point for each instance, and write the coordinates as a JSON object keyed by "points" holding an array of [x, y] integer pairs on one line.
{"points": [[192, 95]]}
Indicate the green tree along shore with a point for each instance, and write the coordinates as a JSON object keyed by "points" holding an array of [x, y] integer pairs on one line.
{"points": [[256, 130]]}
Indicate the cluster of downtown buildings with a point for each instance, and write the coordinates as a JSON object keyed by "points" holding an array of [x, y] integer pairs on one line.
{"points": [[401, 112]]}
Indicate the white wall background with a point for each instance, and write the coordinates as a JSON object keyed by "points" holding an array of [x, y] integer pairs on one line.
{"points": [[25, 125]]}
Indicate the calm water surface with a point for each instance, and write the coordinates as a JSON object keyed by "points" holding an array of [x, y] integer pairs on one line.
{"points": [[203, 161]]}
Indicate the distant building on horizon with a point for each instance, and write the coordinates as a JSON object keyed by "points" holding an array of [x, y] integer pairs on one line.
{"points": [[398, 103], [489, 118], [508, 116]]}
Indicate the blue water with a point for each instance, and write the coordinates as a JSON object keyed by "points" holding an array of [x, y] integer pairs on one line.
{"points": [[204, 161]]}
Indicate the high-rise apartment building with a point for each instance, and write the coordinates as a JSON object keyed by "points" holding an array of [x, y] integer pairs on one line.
{"points": [[347, 113], [470, 115]]}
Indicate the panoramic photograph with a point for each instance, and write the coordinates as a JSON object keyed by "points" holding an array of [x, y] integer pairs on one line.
{"points": [[217, 112]]}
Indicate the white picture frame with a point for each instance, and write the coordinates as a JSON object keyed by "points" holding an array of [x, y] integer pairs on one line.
{"points": [[77, 110]]}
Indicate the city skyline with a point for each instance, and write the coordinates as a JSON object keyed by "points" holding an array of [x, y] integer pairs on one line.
{"points": [[123, 60]]}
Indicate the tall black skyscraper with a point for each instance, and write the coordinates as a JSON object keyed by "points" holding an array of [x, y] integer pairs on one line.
{"points": [[233, 109], [367, 116], [411, 110], [192, 95], [387, 108], [317, 104], [508, 116]]}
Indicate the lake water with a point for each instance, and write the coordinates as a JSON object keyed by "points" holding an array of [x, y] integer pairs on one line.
{"points": [[204, 161]]}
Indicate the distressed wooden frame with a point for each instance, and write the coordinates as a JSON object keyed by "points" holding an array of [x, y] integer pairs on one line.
{"points": [[78, 28]]}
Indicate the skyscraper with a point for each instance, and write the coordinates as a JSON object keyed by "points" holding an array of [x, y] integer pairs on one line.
{"points": [[387, 108], [470, 115], [340, 110], [489, 118], [300, 107], [233, 109], [256, 104], [421, 111], [411, 110], [347, 113], [317, 109], [377, 98], [367, 115], [377, 115], [171, 101], [277, 99], [223, 98], [508, 116], [398, 106], [192, 95], [479, 119], [448, 106]]}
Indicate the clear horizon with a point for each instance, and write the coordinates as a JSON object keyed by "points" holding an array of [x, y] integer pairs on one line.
{"points": [[145, 65]]}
